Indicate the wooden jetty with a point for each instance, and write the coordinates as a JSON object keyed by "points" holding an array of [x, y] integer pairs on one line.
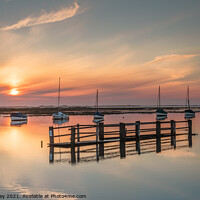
{"points": [[127, 135]]}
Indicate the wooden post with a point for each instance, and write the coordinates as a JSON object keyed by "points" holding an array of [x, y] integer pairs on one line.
{"points": [[190, 126], [73, 155], [101, 139], [173, 131], [78, 139], [51, 155], [158, 139], [137, 130], [137, 136], [51, 135], [190, 133], [138, 146], [97, 152], [158, 129], [73, 136], [97, 133], [101, 131], [122, 132], [122, 140]]}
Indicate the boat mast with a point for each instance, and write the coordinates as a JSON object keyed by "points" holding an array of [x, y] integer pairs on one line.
{"points": [[59, 95], [188, 98], [97, 101], [159, 97]]}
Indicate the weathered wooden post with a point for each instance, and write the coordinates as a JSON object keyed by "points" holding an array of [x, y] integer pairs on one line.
{"points": [[122, 140], [73, 155], [158, 139], [190, 126], [77, 128], [78, 140], [190, 132], [137, 136], [158, 129], [101, 139], [97, 132], [173, 131], [97, 152], [51, 155], [51, 135], [137, 130], [101, 131]]}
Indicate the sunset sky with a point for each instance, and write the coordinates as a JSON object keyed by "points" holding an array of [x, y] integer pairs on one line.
{"points": [[126, 49]]}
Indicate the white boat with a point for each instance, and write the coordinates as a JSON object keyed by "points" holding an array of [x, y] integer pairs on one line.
{"points": [[59, 115], [189, 113], [18, 117], [160, 112], [97, 114]]}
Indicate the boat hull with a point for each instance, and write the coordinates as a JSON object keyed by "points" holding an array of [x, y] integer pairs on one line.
{"points": [[18, 118], [60, 116], [189, 113], [98, 117], [161, 113]]}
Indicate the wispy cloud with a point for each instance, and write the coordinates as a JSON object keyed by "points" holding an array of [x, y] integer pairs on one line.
{"points": [[172, 57], [45, 18]]}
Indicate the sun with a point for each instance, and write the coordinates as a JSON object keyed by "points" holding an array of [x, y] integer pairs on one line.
{"points": [[14, 92]]}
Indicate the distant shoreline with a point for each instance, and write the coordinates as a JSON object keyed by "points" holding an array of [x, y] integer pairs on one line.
{"points": [[89, 110]]}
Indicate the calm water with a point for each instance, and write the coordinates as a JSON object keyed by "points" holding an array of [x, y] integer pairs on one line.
{"points": [[25, 167]]}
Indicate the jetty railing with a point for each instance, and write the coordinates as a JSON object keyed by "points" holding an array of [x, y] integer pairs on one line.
{"points": [[143, 137], [79, 135]]}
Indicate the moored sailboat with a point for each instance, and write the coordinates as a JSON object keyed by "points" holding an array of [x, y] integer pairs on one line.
{"points": [[59, 115], [189, 113], [97, 114], [18, 117], [160, 112]]}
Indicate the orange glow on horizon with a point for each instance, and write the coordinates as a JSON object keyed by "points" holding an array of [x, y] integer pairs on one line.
{"points": [[14, 92]]}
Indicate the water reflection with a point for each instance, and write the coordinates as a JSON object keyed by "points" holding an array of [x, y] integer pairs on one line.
{"points": [[18, 123], [60, 121], [160, 118], [96, 121], [25, 165]]}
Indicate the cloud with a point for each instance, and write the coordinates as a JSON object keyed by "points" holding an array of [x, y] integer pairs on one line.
{"points": [[45, 18], [171, 58]]}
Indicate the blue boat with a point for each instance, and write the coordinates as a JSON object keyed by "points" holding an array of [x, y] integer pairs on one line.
{"points": [[18, 116]]}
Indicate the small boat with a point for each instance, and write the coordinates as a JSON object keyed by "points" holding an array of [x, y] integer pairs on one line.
{"points": [[18, 117], [160, 112], [189, 113], [97, 114], [59, 115]]}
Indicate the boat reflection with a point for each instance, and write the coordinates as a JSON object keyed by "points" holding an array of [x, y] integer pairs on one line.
{"points": [[97, 121], [18, 123], [60, 121], [160, 118]]}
